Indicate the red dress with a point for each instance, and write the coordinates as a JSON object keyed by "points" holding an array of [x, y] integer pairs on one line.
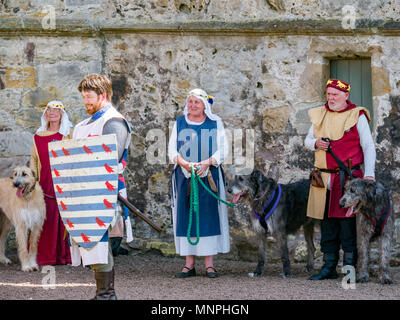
{"points": [[53, 247]]}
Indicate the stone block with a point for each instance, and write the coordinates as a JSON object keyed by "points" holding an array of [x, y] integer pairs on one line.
{"points": [[65, 74], [15, 143], [275, 119], [11, 52], [272, 89], [39, 97], [183, 84], [167, 249], [29, 118], [158, 183], [6, 121], [8, 98], [301, 121], [312, 84], [20, 77], [380, 81]]}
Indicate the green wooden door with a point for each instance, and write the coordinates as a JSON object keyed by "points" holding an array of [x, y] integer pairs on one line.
{"points": [[357, 72]]}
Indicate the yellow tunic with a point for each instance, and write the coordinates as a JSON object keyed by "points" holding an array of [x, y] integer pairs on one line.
{"points": [[332, 125]]}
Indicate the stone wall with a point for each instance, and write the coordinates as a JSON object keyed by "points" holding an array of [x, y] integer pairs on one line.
{"points": [[265, 61]]}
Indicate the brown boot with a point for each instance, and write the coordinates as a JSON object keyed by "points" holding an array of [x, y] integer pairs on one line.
{"points": [[103, 281]]}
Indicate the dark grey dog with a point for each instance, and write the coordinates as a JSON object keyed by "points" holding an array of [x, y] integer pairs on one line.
{"points": [[373, 205], [287, 217]]}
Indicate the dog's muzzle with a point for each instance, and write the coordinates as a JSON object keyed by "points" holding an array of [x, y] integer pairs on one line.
{"points": [[238, 196], [20, 188]]}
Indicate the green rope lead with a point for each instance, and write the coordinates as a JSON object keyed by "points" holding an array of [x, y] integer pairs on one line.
{"points": [[194, 204], [232, 205]]}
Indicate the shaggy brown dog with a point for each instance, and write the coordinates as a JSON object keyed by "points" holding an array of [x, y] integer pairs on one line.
{"points": [[22, 205]]}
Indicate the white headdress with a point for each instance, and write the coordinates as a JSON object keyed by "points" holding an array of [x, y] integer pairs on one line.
{"points": [[207, 100], [65, 124]]}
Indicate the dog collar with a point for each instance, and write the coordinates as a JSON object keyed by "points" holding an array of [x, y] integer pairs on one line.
{"points": [[270, 207]]}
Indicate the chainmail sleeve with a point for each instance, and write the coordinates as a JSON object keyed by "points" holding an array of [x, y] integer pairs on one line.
{"points": [[120, 129]]}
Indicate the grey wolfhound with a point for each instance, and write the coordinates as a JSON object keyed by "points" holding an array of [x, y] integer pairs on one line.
{"points": [[372, 204], [277, 209], [22, 205]]}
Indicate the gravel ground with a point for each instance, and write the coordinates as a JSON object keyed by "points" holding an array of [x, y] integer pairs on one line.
{"points": [[150, 276]]}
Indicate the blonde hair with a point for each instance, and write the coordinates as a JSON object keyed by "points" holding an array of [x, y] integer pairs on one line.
{"points": [[98, 84]]}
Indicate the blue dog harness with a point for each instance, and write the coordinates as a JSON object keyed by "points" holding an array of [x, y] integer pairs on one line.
{"points": [[269, 207]]}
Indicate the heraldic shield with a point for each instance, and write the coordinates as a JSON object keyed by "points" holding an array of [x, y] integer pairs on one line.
{"points": [[85, 178]]}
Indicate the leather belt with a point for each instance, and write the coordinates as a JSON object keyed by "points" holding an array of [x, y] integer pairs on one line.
{"points": [[357, 167]]}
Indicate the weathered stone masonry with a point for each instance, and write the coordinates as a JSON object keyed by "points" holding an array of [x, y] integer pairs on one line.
{"points": [[265, 61]]}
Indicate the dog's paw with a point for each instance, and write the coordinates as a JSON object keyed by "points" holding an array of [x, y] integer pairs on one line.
{"points": [[26, 268], [33, 264], [30, 267], [385, 278], [5, 260], [254, 274], [34, 267]]}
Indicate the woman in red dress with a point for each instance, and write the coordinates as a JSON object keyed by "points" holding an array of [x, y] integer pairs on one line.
{"points": [[53, 245]]}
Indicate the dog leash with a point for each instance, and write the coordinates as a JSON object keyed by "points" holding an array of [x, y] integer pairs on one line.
{"points": [[232, 205], [48, 196], [342, 166], [339, 162], [194, 204]]}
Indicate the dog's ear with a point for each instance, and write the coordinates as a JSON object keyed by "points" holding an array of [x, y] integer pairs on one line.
{"points": [[370, 190], [256, 179], [256, 175], [267, 186]]}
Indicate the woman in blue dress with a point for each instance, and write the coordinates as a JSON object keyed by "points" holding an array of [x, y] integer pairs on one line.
{"points": [[198, 139]]}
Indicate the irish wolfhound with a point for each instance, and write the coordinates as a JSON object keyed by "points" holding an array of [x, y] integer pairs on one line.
{"points": [[22, 205], [278, 210], [374, 206]]}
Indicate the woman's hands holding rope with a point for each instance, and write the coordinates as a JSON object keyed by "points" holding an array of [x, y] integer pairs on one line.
{"points": [[199, 167], [184, 164]]}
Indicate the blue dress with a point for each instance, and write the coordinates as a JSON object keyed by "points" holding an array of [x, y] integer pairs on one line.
{"points": [[196, 143]]}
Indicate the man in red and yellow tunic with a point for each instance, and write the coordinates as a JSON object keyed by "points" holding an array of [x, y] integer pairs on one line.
{"points": [[350, 139]]}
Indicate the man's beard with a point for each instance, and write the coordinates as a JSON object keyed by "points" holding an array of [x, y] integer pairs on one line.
{"points": [[333, 106], [93, 108]]}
